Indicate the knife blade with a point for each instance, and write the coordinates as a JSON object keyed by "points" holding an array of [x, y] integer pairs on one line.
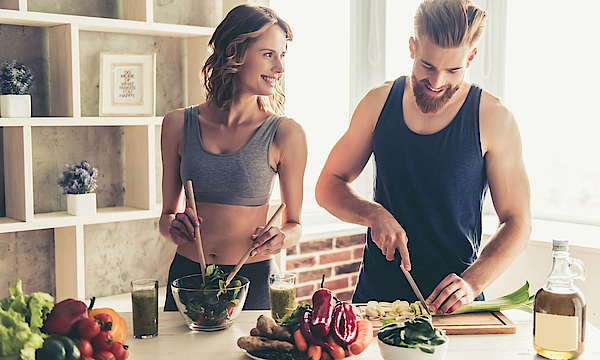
{"points": [[411, 281]]}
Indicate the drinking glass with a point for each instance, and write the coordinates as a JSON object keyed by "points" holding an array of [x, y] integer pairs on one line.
{"points": [[144, 301], [282, 289]]}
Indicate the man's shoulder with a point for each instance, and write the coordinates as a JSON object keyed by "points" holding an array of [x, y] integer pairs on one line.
{"points": [[491, 109]]}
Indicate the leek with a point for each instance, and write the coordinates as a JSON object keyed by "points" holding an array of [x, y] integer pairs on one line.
{"points": [[519, 300]]}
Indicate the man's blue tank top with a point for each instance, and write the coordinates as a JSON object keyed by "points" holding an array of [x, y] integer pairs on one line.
{"points": [[434, 186]]}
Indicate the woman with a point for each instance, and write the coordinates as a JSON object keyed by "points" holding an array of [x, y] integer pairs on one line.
{"points": [[232, 147]]}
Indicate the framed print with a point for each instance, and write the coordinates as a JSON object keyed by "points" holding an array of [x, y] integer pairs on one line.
{"points": [[127, 84]]}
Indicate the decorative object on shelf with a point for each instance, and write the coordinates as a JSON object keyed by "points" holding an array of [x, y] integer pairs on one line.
{"points": [[16, 83], [127, 84], [79, 182]]}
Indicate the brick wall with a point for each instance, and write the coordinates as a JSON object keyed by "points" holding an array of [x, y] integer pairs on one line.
{"points": [[338, 258]]}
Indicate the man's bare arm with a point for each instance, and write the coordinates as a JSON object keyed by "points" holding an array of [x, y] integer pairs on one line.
{"points": [[345, 162]]}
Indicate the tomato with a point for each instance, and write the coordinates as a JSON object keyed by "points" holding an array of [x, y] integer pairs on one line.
{"points": [[89, 328], [102, 341], [105, 320], [229, 307], [104, 355], [119, 350], [85, 347], [119, 326]]}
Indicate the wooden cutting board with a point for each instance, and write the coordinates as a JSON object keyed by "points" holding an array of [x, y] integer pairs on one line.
{"points": [[468, 324]]}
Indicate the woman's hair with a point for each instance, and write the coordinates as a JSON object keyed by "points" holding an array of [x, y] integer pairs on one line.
{"points": [[242, 25], [450, 23]]}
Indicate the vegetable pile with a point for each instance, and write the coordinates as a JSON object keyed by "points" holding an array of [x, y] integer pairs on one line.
{"points": [[211, 308], [327, 329], [415, 333], [84, 333], [21, 317]]}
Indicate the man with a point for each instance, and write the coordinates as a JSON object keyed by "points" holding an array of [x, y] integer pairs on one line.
{"points": [[438, 143]]}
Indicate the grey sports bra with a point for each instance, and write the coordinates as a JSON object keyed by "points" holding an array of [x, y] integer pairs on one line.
{"points": [[244, 177]]}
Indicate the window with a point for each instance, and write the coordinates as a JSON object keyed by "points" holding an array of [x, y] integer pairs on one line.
{"points": [[552, 82], [317, 69]]}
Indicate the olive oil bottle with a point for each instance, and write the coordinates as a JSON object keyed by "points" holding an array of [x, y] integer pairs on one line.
{"points": [[559, 308]]}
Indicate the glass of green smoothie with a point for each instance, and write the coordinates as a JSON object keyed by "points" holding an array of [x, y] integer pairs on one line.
{"points": [[282, 289], [144, 301]]}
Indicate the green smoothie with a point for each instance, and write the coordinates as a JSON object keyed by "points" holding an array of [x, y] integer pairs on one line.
{"points": [[283, 300], [145, 313]]}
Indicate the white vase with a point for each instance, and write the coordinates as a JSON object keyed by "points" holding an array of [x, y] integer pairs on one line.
{"points": [[15, 106], [81, 204]]}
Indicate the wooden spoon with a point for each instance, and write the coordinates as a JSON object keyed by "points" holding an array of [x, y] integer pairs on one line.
{"points": [[189, 194], [249, 251]]}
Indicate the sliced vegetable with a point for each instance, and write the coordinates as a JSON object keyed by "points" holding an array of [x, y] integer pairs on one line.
{"points": [[520, 300]]}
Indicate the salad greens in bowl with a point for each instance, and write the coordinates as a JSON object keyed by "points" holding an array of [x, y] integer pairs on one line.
{"points": [[210, 306], [415, 339]]}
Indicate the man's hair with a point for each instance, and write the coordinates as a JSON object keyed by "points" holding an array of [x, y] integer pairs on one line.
{"points": [[228, 46], [450, 23]]}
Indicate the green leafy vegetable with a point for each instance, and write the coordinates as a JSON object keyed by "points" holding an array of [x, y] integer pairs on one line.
{"points": [[416, 333], [21, 317], [292, 321], [520, 300], [211, 308]]}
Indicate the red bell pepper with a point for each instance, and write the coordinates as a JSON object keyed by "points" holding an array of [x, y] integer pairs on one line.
{"points": [[305, 329], [322, 301], [344, 324], [65, 316]]}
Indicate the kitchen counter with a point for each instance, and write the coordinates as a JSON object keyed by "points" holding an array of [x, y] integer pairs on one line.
{"points": [[176, 341]]}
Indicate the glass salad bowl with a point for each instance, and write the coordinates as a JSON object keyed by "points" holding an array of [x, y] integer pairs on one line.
{"points": [[206, 308]]}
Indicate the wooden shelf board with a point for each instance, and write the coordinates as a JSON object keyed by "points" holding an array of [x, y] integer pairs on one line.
{"points": [[81, 121], [88, 23], [62, 219]]}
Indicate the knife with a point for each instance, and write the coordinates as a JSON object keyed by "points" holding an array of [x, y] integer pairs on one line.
{"points": [[411, 281]]}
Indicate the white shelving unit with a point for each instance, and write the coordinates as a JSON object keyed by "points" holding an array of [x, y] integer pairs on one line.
{"points": [[139, 132]]}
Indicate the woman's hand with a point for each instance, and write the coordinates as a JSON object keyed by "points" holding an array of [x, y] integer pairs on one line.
{"points": [[182, 226], [269, 243]]}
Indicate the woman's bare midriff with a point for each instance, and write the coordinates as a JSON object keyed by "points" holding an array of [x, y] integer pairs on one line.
{"points": [[226, 233]]}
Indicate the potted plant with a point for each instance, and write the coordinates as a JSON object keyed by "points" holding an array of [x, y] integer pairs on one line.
{"points": [[16, 83], [79, 182]]}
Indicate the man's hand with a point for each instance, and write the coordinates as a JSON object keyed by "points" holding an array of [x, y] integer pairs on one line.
{"points": [[388, 235], [450, 294], [269, 243]]}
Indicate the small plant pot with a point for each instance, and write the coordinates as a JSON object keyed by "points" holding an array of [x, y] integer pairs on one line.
{"points": [[15, 106], [81, 204]]}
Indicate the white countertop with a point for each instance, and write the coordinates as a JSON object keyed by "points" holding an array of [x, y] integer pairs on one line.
{"points": [[176, 341]]}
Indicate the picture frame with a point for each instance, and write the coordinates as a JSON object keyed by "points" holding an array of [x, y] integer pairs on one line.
{"points": [[127, 84]]}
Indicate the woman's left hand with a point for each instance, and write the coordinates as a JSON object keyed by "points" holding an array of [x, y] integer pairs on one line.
{"points": [[269, 243]]}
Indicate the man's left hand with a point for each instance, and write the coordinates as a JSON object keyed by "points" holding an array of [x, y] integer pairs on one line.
{"points": [[450, 294]]}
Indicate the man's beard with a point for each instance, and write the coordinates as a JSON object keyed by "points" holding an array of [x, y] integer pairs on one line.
{"points": [[427, 103]]}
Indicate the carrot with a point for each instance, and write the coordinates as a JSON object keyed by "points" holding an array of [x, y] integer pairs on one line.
{"points": [[314, 352], [364, 336], [325, 356], [337, 352], [300, 341]]}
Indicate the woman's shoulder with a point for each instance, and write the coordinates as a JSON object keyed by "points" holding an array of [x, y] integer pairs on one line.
{"points": [[174, 118], [290, 134]]}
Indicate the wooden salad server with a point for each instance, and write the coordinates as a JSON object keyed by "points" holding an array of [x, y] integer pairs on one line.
{"points": [[249, 251], [189, 194]]}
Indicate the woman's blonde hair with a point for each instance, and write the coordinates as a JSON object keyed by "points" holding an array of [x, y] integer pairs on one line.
{"points": [[450, 23], [228, 45]]}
